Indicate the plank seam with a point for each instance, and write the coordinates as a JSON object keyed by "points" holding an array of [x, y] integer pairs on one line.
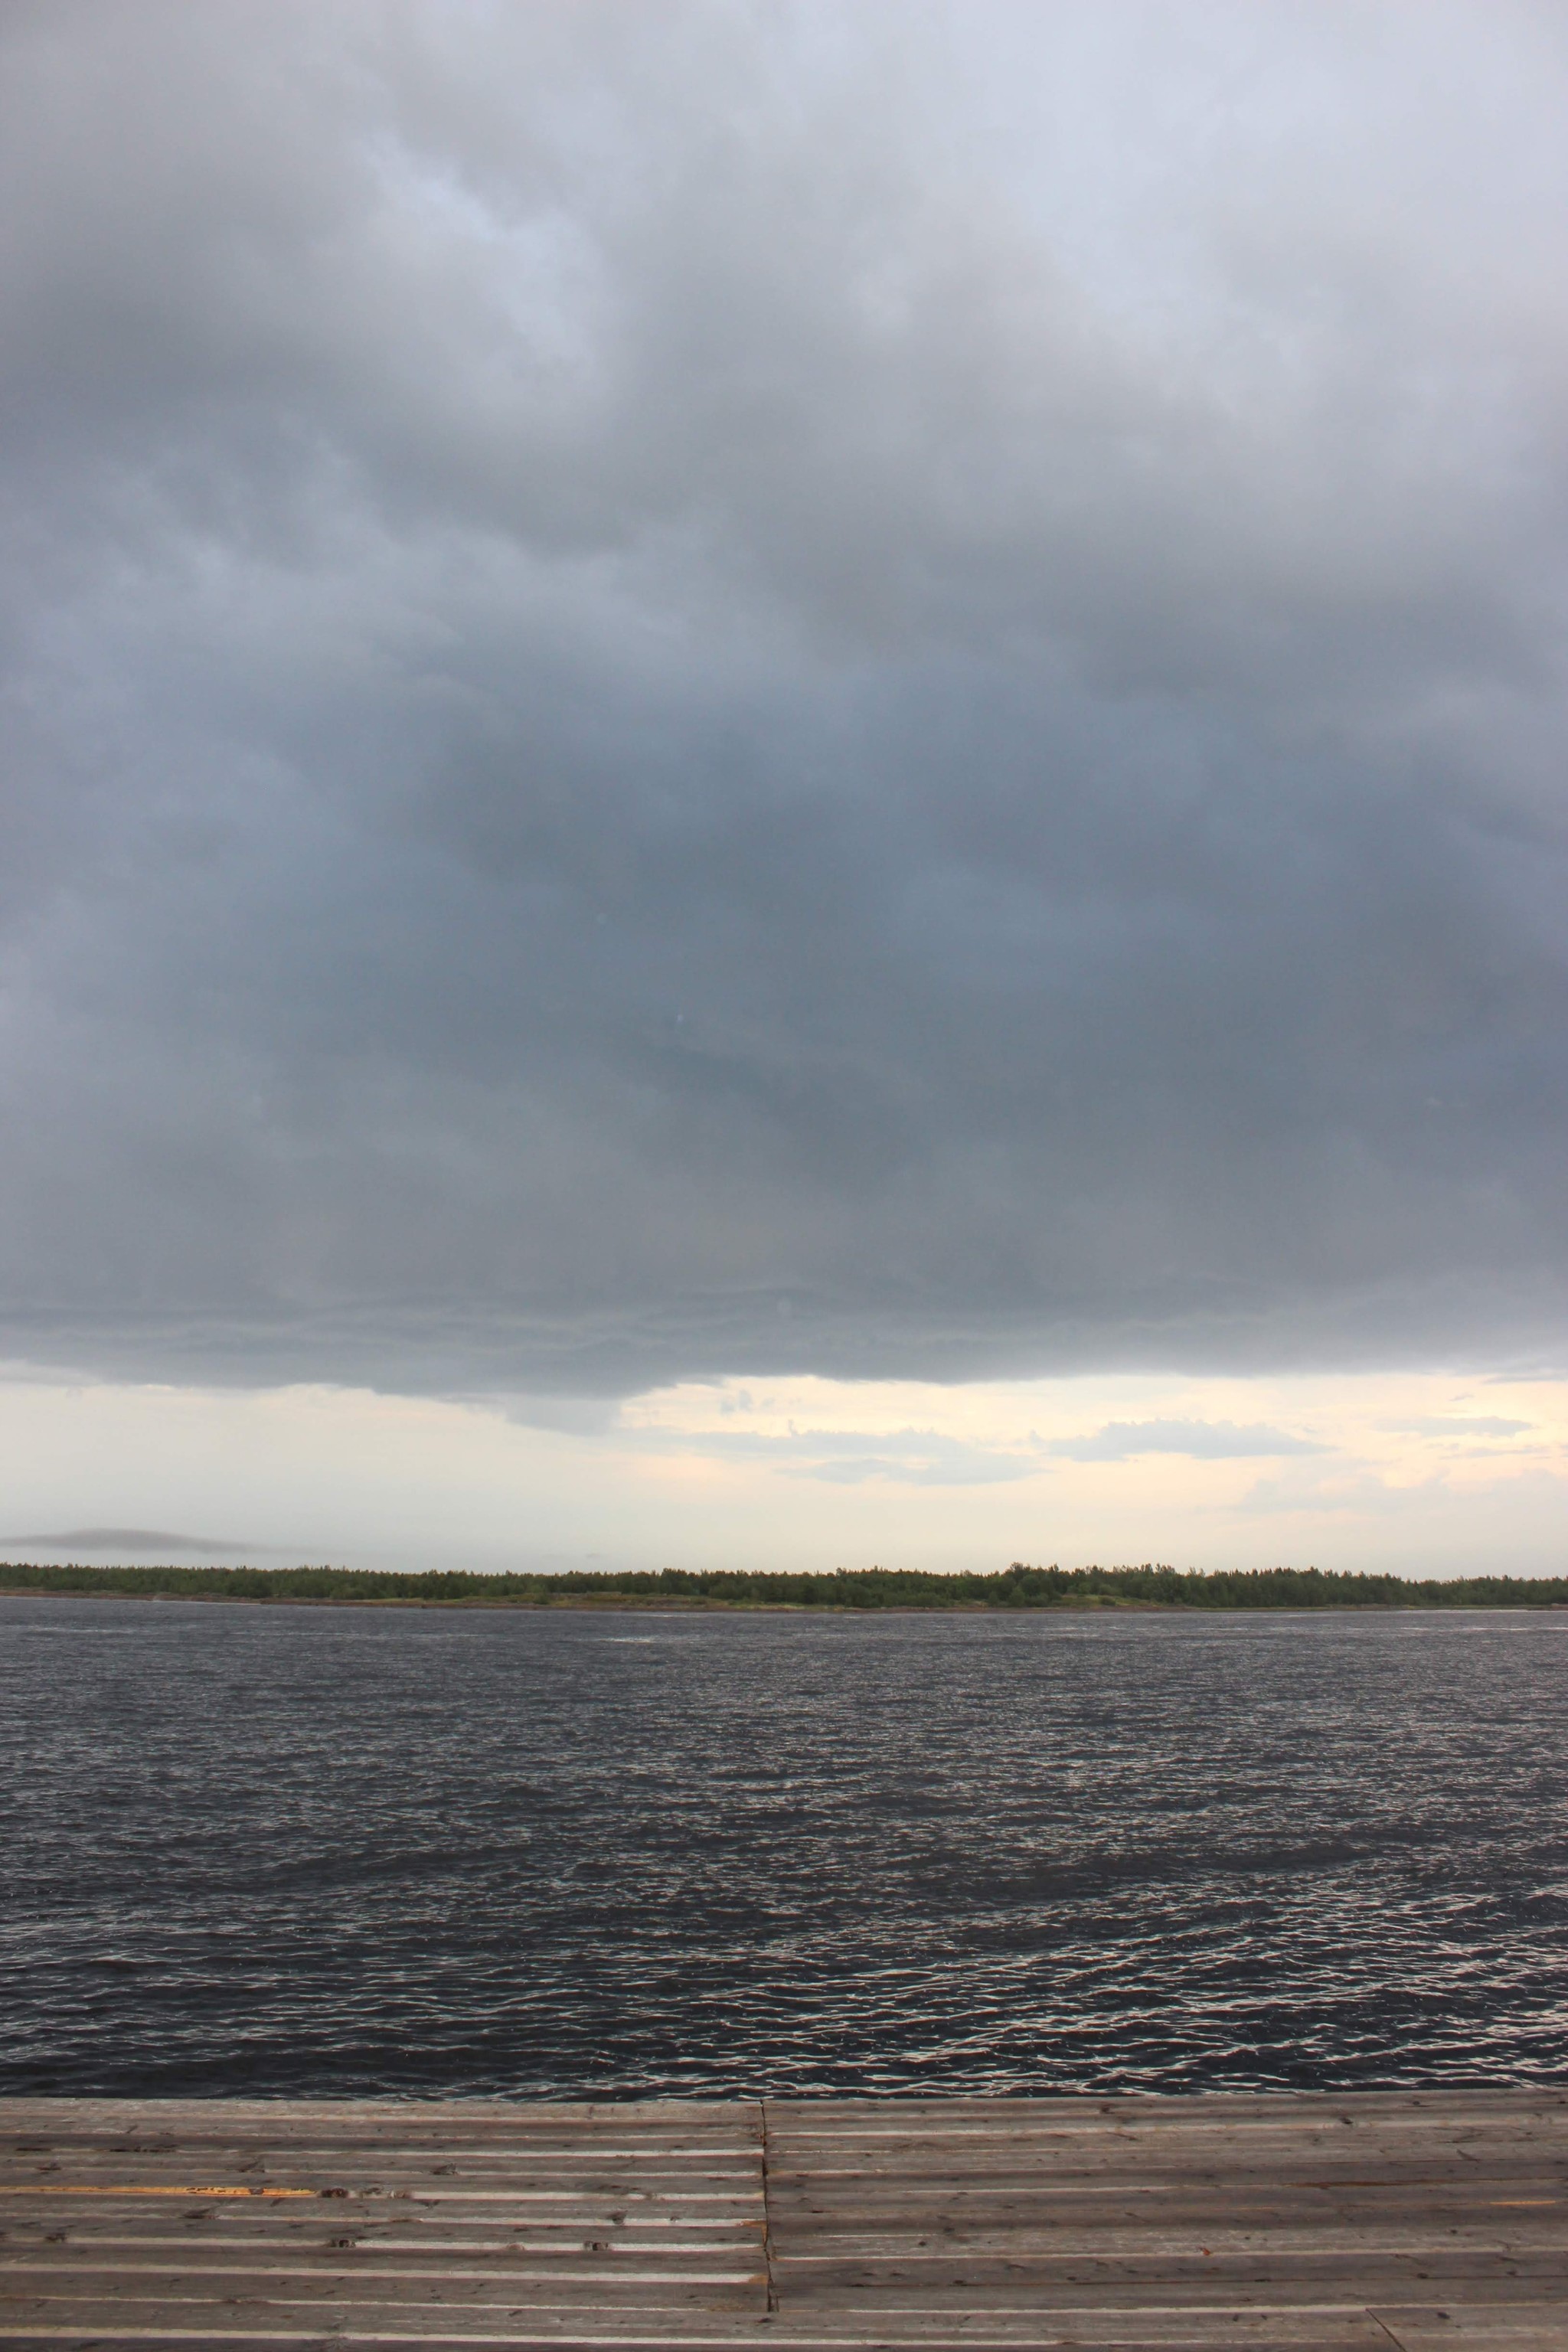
{"points": [[767, 2212]]}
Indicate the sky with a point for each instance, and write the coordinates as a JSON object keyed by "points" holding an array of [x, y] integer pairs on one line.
{"points": [[783, 783]]}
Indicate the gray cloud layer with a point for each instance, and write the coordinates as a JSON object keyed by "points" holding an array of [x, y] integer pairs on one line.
{"points": [[132, 1540], [878, 691]]}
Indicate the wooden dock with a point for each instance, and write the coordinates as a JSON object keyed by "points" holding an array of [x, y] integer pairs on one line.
{"points": [[1317, 2223]]}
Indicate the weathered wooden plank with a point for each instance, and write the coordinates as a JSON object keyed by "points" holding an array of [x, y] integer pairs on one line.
{"points": [[176, 2171], [1286, 2106], [1520, 2327], [1443, 2255], [214, 2226], [1365, 2160], [1171, 2144], [1162, 2156], [310, 2167], [183, 2176], [541, 2210], [496, 2147], [1315, 2329], [1526, 2173], [591, 2307], [806, 2200], [138, 2119], [423, 2129], [1324, 2331], [999, 2285], [192, 2245], [365, 2247], [26, 2157], [1282, 2241], [418, 2123], [1114, 2331], [533, 2281], [612, 2245], [1394, 2131], [1435, 2205], [259, 2180], [368, 2314], [1179, 2141]]}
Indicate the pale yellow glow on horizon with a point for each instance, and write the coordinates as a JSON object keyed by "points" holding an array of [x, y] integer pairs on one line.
{"points": [[1435, 1473]]}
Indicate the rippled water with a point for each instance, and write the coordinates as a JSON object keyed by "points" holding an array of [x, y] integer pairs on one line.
{"points": [[343, 1851]]}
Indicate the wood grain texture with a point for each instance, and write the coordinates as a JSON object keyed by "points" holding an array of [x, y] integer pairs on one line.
{"points": [[1309, 2223]]}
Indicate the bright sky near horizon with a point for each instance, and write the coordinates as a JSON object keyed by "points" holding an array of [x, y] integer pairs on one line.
{"points": [[784, 783], [1421, 1473]]}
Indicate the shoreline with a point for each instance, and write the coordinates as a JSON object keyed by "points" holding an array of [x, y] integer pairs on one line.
{"points": [[622, 1602]]}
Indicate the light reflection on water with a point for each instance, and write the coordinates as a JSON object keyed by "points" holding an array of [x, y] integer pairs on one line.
{"points": [[332, 1851]]}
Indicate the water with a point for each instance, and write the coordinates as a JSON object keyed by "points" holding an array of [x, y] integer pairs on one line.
{"points": [[333, 1851]]}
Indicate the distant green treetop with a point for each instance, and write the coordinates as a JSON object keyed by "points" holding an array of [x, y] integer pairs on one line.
{"points": [[1019, 1586]]}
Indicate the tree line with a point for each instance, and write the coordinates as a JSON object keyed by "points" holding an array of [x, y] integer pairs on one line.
{"points": [[1019, 1586]]}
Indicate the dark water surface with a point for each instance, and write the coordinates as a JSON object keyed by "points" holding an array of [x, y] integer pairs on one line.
{"points": [[257, 1850]]}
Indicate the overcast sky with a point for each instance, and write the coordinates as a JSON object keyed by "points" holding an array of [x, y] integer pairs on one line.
{"points": [[726, 691]]}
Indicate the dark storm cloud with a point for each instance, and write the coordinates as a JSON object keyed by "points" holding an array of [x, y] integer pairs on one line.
{"points": [[870, 690]]}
